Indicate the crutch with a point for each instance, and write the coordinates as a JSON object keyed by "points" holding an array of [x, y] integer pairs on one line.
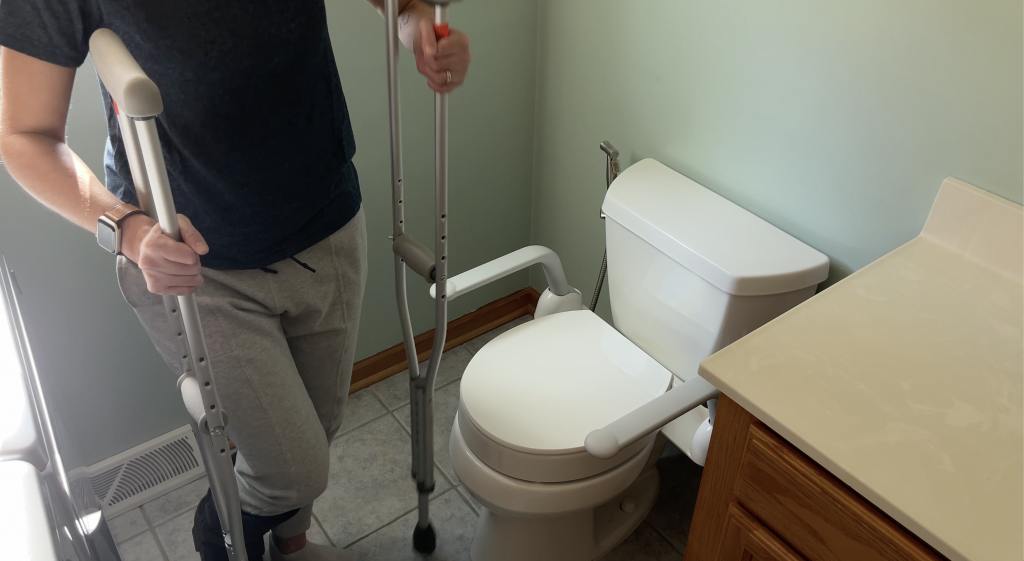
{"points": [[137, 103], [433, 267]]}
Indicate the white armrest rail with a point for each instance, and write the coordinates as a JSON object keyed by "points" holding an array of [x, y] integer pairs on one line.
{"points": [[608, 441], [506, 265]]}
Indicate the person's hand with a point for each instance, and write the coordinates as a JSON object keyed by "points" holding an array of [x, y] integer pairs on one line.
{"points": [[170, 267], [435, 59]]}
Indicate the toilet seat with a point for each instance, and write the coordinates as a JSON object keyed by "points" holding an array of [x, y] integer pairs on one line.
{"points": [[530, 397]]}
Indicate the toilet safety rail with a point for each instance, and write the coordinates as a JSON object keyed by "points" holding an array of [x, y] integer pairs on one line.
{"points": [[608, 441], [559, 296]]}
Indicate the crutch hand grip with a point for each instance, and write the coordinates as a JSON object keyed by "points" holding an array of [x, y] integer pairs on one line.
{"points": [[133, 91], [441, 30]]}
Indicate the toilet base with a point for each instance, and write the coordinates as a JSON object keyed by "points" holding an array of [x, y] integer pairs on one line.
{"points": [[583, 535]]}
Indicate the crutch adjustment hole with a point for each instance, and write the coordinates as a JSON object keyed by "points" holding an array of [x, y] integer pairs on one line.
{"points": [[212, 407], [443, 238], [202, 359], [207, 384], [179, 334], [183, 357], [222, 450], [442, 258], [443, 216], [174, 310]]}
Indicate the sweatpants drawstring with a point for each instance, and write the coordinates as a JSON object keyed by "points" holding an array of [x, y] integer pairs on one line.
{"points": [[304, 266]]}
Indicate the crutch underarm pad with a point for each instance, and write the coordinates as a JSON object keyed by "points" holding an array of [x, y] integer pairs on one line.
{"points": [[416, 256], [133, 91]]}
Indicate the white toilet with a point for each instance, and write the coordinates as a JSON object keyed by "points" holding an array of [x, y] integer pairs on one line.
{"points": [[688, 272]]}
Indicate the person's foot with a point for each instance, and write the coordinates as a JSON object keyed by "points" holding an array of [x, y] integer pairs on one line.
{"points": [[311, 552]]}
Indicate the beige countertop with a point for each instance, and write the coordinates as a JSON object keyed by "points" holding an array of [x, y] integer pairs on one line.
{"points": [[906, 379]]}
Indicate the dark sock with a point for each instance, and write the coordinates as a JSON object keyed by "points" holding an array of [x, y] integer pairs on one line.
{"points": [[209, 541]]}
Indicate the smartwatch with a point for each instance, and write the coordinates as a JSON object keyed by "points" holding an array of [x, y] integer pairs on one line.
{"points": [[108, 227]]}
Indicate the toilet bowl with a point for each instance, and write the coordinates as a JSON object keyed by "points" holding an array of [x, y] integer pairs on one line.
{"points": [[689, 273], [517, 443]]}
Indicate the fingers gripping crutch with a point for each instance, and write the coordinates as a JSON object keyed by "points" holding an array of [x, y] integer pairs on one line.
{"points": [[137, 102], [433, 267]]}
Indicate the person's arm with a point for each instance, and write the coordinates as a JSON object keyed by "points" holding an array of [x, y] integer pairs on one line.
{"points": [[34, 101], [434, 59]]}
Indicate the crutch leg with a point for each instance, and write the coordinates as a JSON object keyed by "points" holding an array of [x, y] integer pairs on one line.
{"points": [[431, 266], [424, 538]]}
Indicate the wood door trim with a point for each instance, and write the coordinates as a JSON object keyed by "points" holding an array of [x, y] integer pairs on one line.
{"points": [[392, 360]]}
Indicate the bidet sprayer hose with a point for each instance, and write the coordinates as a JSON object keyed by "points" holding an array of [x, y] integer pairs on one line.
{"points": [[600, 281], [611, 171]]}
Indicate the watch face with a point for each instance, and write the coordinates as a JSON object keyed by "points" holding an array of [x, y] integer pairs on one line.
{"points": [[106, 235]]}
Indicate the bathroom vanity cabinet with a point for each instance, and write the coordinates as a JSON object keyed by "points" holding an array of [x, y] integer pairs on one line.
{"points": [[762, 500], [880, 419]]}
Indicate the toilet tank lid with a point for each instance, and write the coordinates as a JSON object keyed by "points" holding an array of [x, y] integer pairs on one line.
{"points": [[726, 245]]}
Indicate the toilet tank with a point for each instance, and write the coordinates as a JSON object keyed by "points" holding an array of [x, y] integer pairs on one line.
{"points": [[690, 272]]}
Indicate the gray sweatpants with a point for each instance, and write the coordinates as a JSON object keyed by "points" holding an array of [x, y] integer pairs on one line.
{"points": [[281, 347]]}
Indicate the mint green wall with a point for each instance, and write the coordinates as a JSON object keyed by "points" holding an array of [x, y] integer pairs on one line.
{"points": [[103, 376], [835, 121], [491, 147]]}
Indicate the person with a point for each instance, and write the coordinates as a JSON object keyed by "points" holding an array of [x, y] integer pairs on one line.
{"points": [[258, 146]]}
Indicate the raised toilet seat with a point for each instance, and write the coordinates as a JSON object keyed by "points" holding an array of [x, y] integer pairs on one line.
{"points": [[528, 400]]}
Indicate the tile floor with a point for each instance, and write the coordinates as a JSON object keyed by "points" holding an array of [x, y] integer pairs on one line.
{"points": [[369, 506]]}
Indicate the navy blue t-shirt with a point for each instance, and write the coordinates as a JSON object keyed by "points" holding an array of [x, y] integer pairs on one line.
{"points": [[255, 130]]}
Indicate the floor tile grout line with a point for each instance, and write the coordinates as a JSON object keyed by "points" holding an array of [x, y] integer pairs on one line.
{"points": [[401, 516], [349, 431], [322, 531], [135, 535], [173, 516], [386, 524], [466, 501], [377, 397], [400, 423], [156, 537], [658, 531], [405, 404], [437, 466]]}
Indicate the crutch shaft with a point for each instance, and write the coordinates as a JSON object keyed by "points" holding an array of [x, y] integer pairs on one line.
{"points": [[137, 102]]}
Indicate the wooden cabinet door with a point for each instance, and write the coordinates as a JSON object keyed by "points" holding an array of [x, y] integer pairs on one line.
{"points": [[746, 539], [758, 491]]}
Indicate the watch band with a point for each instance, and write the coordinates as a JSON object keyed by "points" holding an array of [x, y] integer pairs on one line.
{"points": [[120, 212]]}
